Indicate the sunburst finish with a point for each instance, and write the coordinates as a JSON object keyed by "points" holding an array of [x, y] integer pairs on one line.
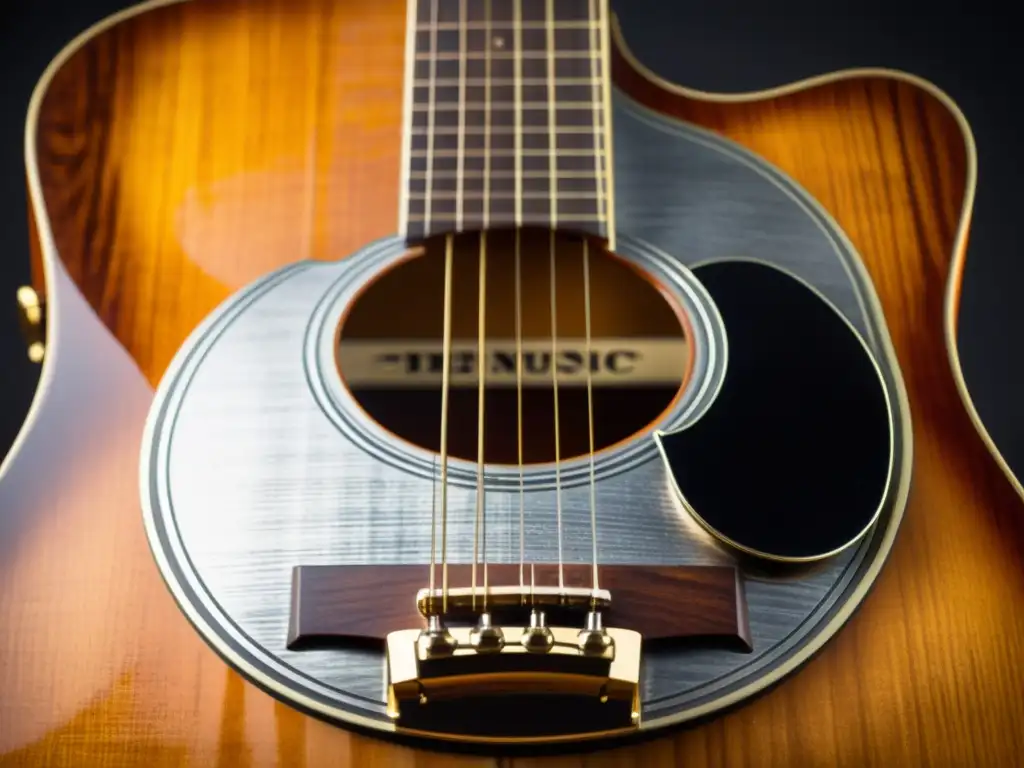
{"points": [[189, 149]]}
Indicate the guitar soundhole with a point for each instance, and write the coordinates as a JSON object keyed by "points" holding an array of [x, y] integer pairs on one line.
{"points": [[390, 352]]}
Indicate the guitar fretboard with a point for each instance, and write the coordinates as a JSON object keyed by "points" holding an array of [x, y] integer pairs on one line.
{"points": [[506, 116]]}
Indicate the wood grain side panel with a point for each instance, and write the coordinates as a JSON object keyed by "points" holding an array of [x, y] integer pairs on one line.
{"points": [[888, 162], [189, 150], [925, 672]]}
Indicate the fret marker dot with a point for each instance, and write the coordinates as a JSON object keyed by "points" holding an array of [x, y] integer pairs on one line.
{"points": [[499, 42]]}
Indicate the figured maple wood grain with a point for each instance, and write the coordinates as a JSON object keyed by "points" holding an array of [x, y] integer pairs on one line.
{"points": [[195, 147]]}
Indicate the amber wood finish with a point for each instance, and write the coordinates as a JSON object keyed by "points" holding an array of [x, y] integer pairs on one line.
{"points": [[365, 602], [195, 147]]}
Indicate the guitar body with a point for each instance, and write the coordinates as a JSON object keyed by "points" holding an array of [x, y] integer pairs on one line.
{"points": [[215, 177]]}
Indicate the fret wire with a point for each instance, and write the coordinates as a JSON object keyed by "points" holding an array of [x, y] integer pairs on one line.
{"points": [[508, 153], [507, 175], [538, 105], [450, 217], [506, 81], [448, 26], [505, 67], [565, 93], [502, 143], [436, 196], [445, 56], [505, 142], [501, 130], [502, 195], [447, 118], [507, 162], [464, 114], [568, 206]]}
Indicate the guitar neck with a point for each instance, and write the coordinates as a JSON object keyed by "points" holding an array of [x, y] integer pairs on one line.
{"points": [[507, 117]]}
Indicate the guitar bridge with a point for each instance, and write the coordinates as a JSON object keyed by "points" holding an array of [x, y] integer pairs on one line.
{"points": [[490, 681]]}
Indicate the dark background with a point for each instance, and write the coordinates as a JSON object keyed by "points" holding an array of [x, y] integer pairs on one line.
{"points": [[965, 48]]}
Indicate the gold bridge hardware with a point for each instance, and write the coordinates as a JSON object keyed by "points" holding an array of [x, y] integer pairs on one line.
{"points": [[570, 671], [467, 600]]}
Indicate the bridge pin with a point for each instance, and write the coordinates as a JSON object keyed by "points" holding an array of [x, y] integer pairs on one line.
{"points": [[485, 637], [436, 641], [593, 639], [537, 638]]}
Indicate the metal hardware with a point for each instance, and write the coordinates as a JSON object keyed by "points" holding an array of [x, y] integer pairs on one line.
{"points": [[435, 641], [537, 638], [594, 640], [561, 666], [468, 600], [485, 637]]}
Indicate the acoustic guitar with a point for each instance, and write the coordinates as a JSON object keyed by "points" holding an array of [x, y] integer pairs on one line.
{"points": [[429, 382]]}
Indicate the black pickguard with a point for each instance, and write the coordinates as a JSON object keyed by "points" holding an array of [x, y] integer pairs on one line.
{"points": [[793, 457]]}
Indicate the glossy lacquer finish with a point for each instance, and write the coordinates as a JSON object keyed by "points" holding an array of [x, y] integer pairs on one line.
{"points": [[195, 148]]}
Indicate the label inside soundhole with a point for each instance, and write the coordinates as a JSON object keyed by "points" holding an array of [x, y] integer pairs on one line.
{"points": [[390, 349]]}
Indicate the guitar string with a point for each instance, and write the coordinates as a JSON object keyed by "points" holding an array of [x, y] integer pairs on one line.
{"points": [[519, 408], [482, 354], [431, 600], [518, 84], [446, 354], [480, 532], [552, 169], [592, 12], [590, 408], [554, 389], [446, 365], [428, 187], [479, 528]]}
